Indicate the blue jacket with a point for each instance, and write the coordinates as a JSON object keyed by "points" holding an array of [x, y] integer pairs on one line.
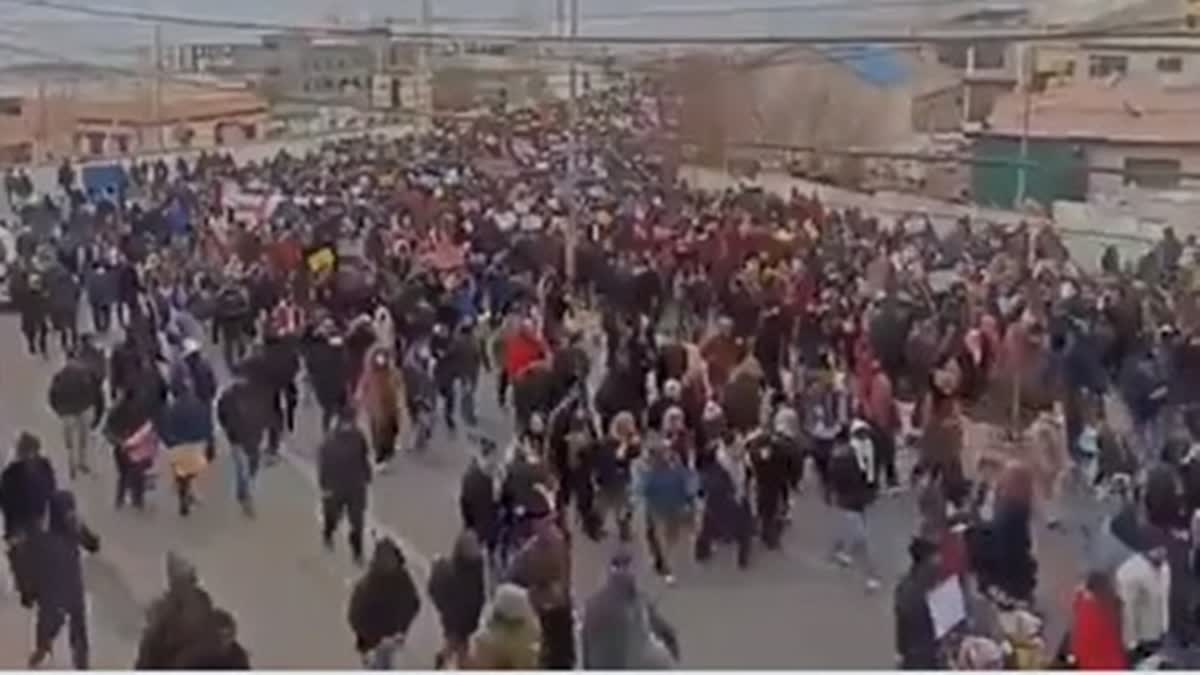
{"points": [[666, 489], [187, 420]]}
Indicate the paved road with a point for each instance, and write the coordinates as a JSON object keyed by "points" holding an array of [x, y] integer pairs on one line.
{"points": [[792, 609]]}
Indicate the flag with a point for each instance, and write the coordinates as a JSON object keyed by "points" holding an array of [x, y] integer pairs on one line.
{"points": [[321, 261]]}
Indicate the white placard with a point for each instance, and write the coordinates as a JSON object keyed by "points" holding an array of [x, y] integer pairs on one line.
{"points": [[947, 606]]}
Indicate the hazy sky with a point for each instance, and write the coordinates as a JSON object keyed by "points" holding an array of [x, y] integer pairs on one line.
{"points": [[86, 38]]}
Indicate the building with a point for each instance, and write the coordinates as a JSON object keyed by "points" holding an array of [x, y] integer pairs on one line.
{"points": [[1089, 140], [1172, 61], [989, 68], [835, 98], [49, 127], [295, 67]]}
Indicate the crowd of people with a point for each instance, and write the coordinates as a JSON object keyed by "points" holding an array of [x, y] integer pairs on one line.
{"points": [[675, 361]]}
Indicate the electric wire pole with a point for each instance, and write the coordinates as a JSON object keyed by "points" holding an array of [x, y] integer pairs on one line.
{"points": [[572, 232], [156, 105], [424, 93]]}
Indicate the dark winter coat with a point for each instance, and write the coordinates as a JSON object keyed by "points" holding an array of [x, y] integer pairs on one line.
{"points": [[726, 517], [26, 487], [853, 490], [244, 411], [1143, 387], [75, 389], [187, 419], [62, 292], [101, 284], [479, 505], [1002, 551], [385, 601], [202, 379], [456, 587], [916, 642], [329, 369], [344, 464], [623, 630], [56, 555]]}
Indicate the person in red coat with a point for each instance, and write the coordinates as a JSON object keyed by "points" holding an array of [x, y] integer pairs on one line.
{"points": [[522, 349], [1096, 633]]}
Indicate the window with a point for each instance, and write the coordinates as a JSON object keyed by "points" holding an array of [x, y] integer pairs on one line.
{"points": [[1104, 65], [1160, 174], [1170, 64], [990, 55]]}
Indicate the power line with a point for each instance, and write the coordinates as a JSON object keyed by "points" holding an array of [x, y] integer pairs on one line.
{"points": [[840, 5], [1135, 30]]}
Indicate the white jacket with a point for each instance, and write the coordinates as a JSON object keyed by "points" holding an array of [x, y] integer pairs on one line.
{"points": [[1144, 591]]}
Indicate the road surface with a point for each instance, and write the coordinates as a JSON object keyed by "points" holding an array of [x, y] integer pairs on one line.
{"points": [[792, 609]]}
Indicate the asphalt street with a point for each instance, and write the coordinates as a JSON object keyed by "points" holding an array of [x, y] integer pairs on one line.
{"points": [[791, 609]]}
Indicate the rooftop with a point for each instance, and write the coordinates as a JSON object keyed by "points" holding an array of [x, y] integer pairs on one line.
{"points": [[880, 66], [1120, 112]]}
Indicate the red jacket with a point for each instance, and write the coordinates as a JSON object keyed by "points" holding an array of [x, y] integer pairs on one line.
{"points": [[1096, 634], [522, 350]]}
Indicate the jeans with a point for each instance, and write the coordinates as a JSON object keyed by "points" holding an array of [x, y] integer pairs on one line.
{"points": [[75, 436], [1151, 437], [131, 479], [853, 540], [102, 317], [383, 656], [466, 396], [245, 470]]}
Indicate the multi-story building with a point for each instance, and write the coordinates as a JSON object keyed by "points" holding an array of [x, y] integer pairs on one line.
{"points": [[294, 67]]}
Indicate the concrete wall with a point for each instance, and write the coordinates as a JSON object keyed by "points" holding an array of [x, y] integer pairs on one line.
{"points": [[1110, 156], [1142, 64]]}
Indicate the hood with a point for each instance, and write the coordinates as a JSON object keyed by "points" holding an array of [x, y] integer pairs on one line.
{"points": [[387, 557], [510, 605], [787, 422], [466, 547], [180, 572]]}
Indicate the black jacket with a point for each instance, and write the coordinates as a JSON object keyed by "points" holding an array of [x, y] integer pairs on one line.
{"points": [[75, 389], [852, 489], [457, 590], [56, 556], [244, 411], [383, 603], [329, 370], [916, 642], [204, 381], [25, 490], [344, 465], [479, 505]]}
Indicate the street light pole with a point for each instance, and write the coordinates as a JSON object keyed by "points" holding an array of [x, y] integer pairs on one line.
{"points": [[572, 231], [425, 68]]}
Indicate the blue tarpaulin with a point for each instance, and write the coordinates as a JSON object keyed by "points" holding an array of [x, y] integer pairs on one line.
{"points": [[104, 182]]}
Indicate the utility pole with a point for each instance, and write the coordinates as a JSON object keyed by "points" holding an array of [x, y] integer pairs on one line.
{"points": [[40, 145], [156, 104], [1025, 63], [425, 69], [572, 233]]}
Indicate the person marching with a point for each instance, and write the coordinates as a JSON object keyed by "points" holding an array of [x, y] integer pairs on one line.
{"points": [[344, 473]]}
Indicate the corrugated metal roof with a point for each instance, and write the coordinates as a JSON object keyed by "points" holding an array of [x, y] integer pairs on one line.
{"points": [[877, 65]]}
